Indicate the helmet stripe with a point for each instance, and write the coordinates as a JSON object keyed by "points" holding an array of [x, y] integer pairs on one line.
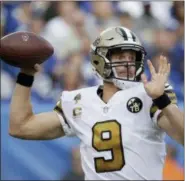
{"points": [[124, 34], [133, 36]]}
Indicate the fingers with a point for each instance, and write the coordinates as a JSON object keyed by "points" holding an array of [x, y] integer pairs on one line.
{"points": [[144, 79], [32, 70], [164, 66], [151, 67], [169, 68], [160, 64], [37, 67]]}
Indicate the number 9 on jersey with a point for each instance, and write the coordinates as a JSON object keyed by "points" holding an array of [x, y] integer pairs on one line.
{"points": [[112, 142]]}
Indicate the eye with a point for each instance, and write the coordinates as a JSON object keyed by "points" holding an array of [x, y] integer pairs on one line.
{"points": [[132, 57]]}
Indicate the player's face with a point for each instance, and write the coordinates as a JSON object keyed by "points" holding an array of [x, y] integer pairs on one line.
{"points": [[127, 68]]}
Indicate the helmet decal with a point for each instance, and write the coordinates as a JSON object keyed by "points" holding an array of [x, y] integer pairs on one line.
{"points": [[122, 33]]}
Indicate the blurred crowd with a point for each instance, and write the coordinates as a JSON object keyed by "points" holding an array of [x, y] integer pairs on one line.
{"points": [[71, 26]]}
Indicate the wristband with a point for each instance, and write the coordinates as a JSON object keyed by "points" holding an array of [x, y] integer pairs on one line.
{"points": [[25, 80], [162, 101]]}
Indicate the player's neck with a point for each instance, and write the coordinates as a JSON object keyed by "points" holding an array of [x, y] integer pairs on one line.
{"points": [[108, 91]]}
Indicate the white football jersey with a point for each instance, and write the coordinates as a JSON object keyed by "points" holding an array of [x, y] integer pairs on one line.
{"points": [[120, 140]]}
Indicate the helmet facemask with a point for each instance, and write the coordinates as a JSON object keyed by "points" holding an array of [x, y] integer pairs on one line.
{"points": [[124, 70]]}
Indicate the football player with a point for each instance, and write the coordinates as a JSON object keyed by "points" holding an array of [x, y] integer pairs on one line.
{"points": [[121, 124]]}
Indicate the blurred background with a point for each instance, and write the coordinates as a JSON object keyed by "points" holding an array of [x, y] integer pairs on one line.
{"points": [[70, 27]]}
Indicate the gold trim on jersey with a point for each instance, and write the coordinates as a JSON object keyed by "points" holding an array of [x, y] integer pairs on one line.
{"points": [[59, 110], [172, 96]]}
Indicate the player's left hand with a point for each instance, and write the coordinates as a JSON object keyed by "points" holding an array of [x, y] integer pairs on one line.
{"points": [[155, 87]]}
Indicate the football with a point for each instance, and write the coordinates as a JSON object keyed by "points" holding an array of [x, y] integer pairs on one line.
{"points": [[24, 49]]}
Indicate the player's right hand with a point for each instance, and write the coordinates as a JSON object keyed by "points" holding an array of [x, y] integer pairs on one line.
{"points": [[31, 71]]}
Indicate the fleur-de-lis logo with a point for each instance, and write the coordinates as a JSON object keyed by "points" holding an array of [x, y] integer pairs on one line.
{"points": [[25, 37], [77, 98]]}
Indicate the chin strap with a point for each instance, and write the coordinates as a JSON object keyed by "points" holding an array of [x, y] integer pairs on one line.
{"points": [[121, 84]]}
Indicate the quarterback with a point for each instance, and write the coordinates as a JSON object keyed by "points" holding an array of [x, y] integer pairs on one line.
{"points": [[121, 124]]}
